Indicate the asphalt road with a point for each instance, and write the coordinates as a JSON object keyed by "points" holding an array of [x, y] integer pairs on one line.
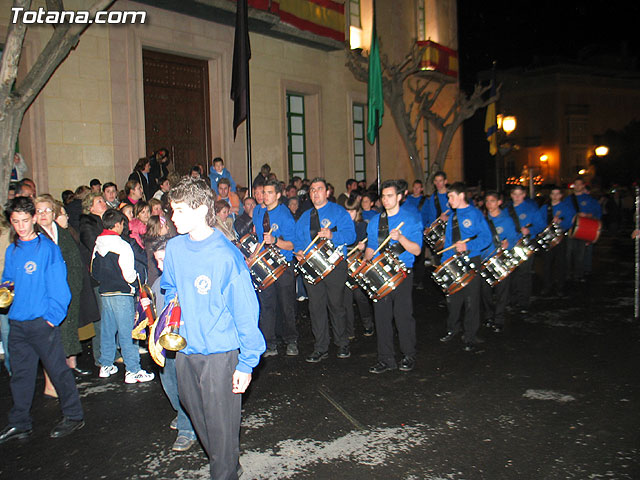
{"points": [[555, 396]]}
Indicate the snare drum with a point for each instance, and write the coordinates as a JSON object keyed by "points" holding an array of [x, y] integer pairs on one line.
{"points": [[320, 261], [434, 235], [587, 229], [266, 267], [382, 275], [454, 274], [522, 250], [354, 262], [248, 244], [550, 236], [497, 268]]}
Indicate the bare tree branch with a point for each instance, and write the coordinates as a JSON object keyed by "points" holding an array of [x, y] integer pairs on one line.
{"points": [[11, 53]]}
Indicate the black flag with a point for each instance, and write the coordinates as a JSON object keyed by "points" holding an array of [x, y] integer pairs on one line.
{"points": [[240, 75]]}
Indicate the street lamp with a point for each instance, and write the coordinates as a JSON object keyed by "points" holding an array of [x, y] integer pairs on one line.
{"points": [[508, 124], [602, 151]]}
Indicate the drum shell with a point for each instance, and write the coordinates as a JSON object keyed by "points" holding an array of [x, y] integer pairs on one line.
{"points": [[267, 267], [434, 235], [454, 274], [354, 262], [522, 250], [248, 244], [587, 229], [497, 268], [319, 261], [381, 275], [551, 236]]}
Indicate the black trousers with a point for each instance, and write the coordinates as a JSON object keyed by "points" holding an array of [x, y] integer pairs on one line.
{"points": [[364, 308], [204, 388], [522, 284], [576, 250], [555, 266], [278, 300], [29, 342], [397, 305], [468, 299], [494, 309], [326, 301]]}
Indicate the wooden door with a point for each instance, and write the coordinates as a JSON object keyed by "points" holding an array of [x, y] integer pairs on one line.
{"points": [[176, 108]]}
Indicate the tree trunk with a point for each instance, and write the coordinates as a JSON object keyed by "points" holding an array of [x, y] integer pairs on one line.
{"points": [[9, 129]]}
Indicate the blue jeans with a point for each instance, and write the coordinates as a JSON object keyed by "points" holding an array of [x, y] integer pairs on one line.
{"points": [[117, 318], [4, 330], [169, 380]]}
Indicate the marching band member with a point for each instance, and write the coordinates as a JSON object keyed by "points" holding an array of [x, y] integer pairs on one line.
{"points": [[331, 221], [277, 218], [352, 205], [407, 243], [219, 322], [561, 212], [579, 253], [435, 206], [466, 222], [528, 221], [505, 236]]}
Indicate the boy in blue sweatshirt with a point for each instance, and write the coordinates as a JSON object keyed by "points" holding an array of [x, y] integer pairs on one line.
{"points": [[219, 322], [217, 172], [35, 265]]}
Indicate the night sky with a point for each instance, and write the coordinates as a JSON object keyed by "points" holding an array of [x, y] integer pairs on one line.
{"points": [[515, 33]]}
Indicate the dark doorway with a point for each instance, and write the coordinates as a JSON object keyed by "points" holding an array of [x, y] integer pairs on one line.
{"points": [[176, 108]]}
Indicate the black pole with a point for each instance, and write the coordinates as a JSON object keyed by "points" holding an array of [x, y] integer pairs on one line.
{"points": [[378, 154], [249, 171]]}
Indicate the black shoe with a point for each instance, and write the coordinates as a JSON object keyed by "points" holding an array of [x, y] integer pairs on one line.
{"points": [[381, 367], [407, 364], [344, 352], [448, 337], [78, 372], [524, 311], [9, 433], [478, 340], [497, 328], [66, 427], [368, 332], [489, 323], [316, 357], [469, 347], [419, 286]]}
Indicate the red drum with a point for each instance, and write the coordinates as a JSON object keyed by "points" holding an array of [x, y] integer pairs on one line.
{"points": [[587, 229]]}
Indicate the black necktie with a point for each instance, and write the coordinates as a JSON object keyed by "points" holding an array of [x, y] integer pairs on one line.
{"points": [[314, 223], [455, 228], [266, 222]]}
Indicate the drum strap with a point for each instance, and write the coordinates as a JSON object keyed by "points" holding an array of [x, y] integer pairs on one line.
{"points": [[514, 217], [455, 228], [576, 205], [436, 202], [494, 233], [266, 222], [383, 233], [314, 223], [549, 213], [423, 198]]}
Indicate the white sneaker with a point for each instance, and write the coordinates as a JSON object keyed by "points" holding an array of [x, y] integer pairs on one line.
{"points": [[140, 376], [107, 371]]}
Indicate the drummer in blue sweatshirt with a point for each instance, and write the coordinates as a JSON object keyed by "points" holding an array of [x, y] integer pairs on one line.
{"points": [[466, 222], [219, 322], [35, 265]]}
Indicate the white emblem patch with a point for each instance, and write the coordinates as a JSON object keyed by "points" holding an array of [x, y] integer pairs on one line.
{"points": [[523, 216], [203, 284], [466, 223], [499, 229], [30, 267], [583, 203]]}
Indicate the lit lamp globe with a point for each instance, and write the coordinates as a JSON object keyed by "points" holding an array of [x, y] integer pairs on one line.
{"points": [[602, 151], [508, 124], [544, 158]]}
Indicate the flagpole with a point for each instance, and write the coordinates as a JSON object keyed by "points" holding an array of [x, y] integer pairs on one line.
{"points": [[378, 154], [248, 135]]}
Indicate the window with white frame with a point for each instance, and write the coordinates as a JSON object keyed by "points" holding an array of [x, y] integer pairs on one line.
{"points": [[359, 163], [296, 135], [420, 20], [354, 13]]}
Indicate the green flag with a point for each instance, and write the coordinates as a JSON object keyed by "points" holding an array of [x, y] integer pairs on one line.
{"points": [[375, 103]]}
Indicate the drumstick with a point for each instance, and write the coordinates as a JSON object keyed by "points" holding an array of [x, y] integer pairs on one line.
{"points": [[257, 250], [314, 240], [386, 240], [454, 245], [356, 247]]}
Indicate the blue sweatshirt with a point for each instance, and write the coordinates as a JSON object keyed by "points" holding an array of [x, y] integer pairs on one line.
{"points": [[564, 210], [282, 217], [471, 223], [219, 305], [429, 211], [528, 213], [215, 178], [39, 273], [412, 229], [505, 228], [588, 204], [340, 219]]}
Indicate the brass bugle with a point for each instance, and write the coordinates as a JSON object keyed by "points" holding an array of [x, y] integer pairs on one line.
{"points": [[172, 340], [6, 295]]}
